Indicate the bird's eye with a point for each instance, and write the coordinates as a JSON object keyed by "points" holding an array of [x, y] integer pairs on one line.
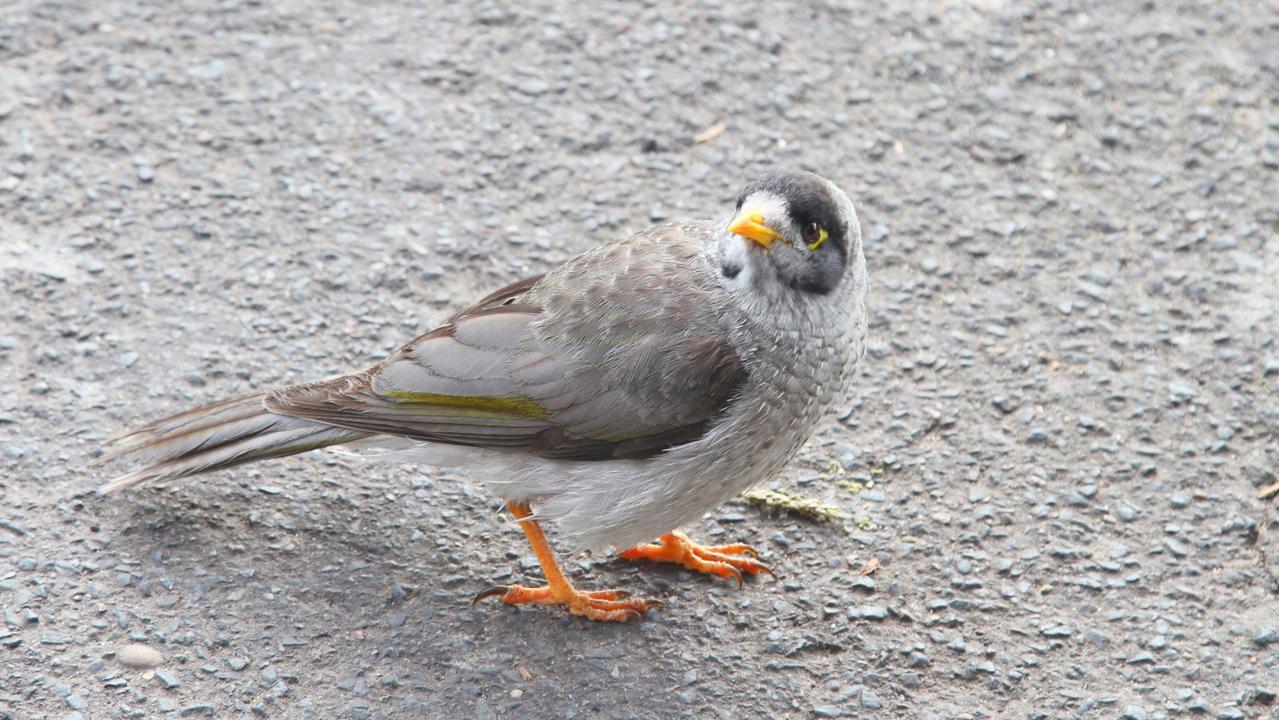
{"points": [[814, 235]]}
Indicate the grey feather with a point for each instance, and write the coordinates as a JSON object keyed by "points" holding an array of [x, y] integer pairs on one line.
{"points": [[555, 367], [215, 437]]}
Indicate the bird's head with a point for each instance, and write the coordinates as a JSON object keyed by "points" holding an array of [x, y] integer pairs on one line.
{"points": [[791, 233]]}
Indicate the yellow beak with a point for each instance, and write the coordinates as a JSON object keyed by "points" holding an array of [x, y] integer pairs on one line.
{"points": [[750, 225]]}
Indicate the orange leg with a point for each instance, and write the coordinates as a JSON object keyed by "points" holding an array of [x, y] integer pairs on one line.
{"points": [[728, 561], [614, 605]]}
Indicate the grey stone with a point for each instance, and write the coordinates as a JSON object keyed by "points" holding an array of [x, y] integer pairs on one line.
{"points": [[870, 612], [1176, 547]]}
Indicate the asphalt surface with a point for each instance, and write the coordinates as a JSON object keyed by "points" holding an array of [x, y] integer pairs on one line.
{"points": [[1056, 449]]}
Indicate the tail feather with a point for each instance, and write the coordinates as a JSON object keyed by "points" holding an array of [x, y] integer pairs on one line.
{"points": [[194, 419], [217, 436]]}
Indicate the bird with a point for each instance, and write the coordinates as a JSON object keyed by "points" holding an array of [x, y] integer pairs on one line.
{"points": [[616, 398]]}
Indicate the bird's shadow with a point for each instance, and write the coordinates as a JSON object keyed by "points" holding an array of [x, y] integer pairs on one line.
{"points": [[349, 557]]}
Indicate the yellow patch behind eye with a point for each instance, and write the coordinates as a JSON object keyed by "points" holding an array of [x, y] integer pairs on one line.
{"points": [[821, 239]]}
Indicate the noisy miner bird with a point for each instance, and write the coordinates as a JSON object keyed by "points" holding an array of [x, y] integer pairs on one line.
{"points": [[618, 396]]}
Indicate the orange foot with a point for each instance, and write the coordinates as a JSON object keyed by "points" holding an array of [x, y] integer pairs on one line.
{"points": [[608, 605], [728, 561]]}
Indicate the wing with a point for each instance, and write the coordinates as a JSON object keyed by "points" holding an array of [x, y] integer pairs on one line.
{"points": [[617, 354]]}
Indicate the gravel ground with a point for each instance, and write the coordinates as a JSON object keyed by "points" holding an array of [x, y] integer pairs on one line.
{"points": [[1057, 450]]}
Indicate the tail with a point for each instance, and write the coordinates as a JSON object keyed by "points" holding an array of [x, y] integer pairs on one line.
{"points": [[214, 437]]}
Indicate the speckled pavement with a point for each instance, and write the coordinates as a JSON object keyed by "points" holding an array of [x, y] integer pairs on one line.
{"points": [[1058, 450]]}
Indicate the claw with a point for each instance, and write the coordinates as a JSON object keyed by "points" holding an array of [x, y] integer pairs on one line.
{"points": [[734, 573], [489, 592]]}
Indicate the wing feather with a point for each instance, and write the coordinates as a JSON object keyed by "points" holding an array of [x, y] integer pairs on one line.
{"points": [[616, 354]]}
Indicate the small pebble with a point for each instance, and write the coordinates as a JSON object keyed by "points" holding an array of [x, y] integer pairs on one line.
{"points": [[139, 656], [167, 679]]}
